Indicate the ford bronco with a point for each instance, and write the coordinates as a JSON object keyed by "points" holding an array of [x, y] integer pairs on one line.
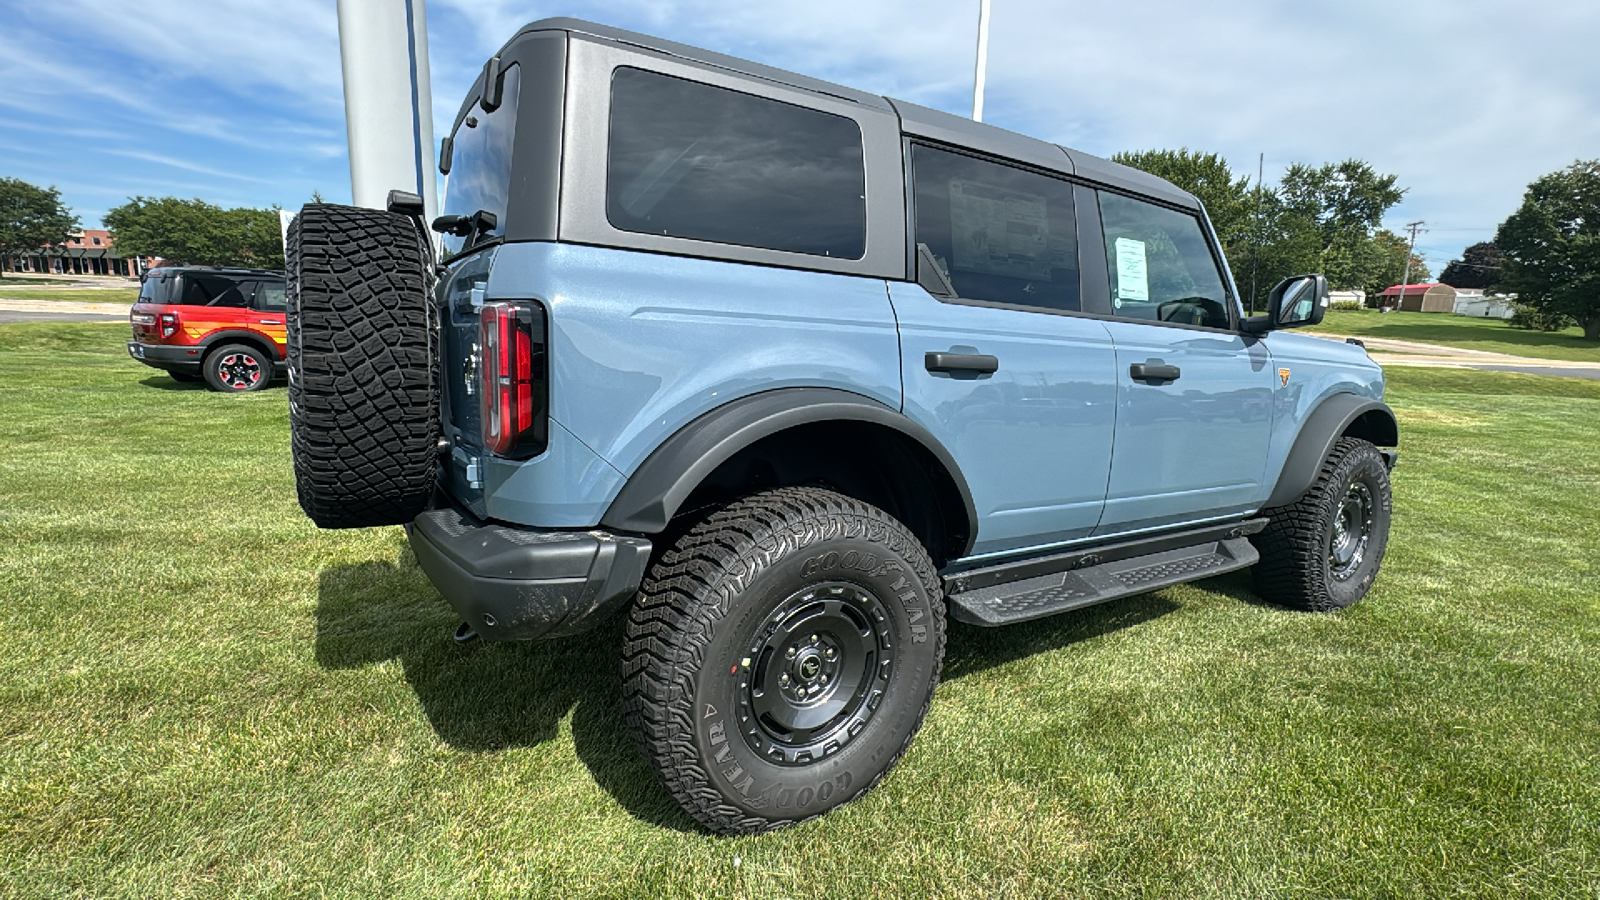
{"points": [[791, 373], [225, 326]]}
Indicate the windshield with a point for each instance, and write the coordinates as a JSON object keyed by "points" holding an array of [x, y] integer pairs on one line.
{"points": [[480, 164]]}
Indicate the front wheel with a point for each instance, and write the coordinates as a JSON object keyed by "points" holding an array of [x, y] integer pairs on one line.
{"points": [[237, 368], [1322, 552], [780, 657]]}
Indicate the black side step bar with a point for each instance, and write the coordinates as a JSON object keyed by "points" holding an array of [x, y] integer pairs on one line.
{"points": [[1035, 588]]}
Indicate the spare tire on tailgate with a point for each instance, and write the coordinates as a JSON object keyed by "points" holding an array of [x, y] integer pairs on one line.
{"points": [[363, 378]]}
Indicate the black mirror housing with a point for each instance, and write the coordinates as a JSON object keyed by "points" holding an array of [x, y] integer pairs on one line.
{"points": [[1296, 301]]}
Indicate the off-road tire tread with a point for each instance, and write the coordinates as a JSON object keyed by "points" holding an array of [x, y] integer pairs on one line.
{"points": [[695, 584], [363, 376], [1293, 566]]}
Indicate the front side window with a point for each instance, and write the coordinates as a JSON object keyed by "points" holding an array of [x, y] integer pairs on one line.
{"points": [[1161, 267], [480, 163], [690, 160], [999, 233], [271, 296]]}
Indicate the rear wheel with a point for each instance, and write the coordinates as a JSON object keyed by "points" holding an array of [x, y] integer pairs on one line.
{"points": [[363, 379], [236, 369], [1323, 551], [781, 656]]}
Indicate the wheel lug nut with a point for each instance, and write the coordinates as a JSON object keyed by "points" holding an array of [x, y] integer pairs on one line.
{"points": [[784, 678], [831, 653], [813, 639], [790, 653], [824, 679]]}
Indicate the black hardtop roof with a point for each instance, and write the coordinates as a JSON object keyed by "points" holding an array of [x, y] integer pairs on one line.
{"points": [[916, 120], [220, 270]]}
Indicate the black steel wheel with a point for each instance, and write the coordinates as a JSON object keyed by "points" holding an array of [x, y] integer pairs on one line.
{"points": [[780, 657], [237, 368], [1323, 551]]}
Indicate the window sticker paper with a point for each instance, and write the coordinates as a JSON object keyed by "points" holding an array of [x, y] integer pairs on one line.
{"points": [[1133, 278]]}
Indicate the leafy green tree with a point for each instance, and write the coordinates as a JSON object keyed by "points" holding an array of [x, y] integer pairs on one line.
{"points": [[1380, 261], [196, 232], [31, 219], [1229, 201], [1552, 246], [1478, 267], [1343, 202]]}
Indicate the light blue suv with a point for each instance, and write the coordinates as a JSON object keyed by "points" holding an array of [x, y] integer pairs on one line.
{"points": [[790, 372]]}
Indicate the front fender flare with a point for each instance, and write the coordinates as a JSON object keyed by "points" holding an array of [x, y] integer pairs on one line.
{"points": [[656, 490], [1326, 424]]}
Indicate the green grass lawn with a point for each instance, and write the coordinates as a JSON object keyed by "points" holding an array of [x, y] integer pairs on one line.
{"points": [[75, 295], [203, 695], [1461, 331]]}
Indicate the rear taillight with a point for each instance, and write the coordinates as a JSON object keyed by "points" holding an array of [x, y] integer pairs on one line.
{"points": [[169, 324], [515, 396]]}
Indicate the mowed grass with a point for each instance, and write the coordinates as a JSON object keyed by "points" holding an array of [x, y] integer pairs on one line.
{"points": [[203, 695], [1461, 331], [74, 295]]}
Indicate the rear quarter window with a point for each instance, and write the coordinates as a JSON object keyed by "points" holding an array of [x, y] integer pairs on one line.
{"points": [[691, 160], [480, 162]]}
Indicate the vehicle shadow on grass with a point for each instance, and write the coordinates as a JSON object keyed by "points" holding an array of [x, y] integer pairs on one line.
{"points": [[481, 697], [163, 383]]}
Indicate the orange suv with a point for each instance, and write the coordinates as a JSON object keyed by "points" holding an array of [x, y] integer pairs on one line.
{"points": [[221, 325]]}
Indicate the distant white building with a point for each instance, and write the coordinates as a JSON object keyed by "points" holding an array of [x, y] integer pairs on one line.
{"points": [[1473, 303]]}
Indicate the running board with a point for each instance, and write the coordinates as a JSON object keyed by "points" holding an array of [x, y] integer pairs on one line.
{"points": [[1006, 601]]}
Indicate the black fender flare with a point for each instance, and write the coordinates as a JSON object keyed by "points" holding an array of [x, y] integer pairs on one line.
{"points": [[240, 336], [655, 491], [1326, 424]]}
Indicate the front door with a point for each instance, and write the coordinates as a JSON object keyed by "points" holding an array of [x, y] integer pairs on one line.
{"points": [[1194, 396], [1002, 368]]}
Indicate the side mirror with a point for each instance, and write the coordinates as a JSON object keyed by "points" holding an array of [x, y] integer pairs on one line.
{"points": [[1296, 301]]}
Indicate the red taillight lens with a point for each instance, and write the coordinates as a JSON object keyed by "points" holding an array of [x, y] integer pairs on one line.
{"points": [[514, 393], [169, 324]]}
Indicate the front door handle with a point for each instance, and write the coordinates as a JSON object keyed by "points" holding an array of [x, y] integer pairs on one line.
{"points": [[982, 363], [1151, 373]]}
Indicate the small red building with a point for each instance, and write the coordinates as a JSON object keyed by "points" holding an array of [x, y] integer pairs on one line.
{"points": [[1420, 297]]}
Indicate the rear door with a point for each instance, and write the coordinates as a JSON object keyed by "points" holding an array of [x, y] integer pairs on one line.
{"points": [[1194, 396], [269, 301], [1033, 436]]}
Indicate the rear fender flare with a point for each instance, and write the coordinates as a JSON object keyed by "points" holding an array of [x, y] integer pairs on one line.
{"points": [[1330, 421], [657, 489]]}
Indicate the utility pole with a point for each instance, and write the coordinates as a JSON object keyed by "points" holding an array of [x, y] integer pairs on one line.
{"points": [[983, 60], [388, 105], [1405, 274]]}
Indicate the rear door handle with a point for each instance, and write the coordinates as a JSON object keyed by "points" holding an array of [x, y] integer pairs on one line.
{"points": [[982, 363], [271, 321], [1151, 373]]}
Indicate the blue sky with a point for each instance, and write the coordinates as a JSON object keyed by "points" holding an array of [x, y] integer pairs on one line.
{"points": [[238, 102]]}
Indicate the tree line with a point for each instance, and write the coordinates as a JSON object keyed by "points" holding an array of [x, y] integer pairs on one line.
{"points": [[1315, 219], [182, 232]]}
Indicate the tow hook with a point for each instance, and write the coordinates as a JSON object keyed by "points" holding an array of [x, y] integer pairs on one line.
{"points": [[465, 634]]}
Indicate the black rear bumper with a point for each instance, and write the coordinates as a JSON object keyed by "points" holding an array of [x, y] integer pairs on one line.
{"points": [[516, 583], [170, 357]]}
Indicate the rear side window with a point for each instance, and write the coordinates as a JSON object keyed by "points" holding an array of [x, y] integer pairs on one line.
{"points": [[480, 163], [694, 161], [1000, 234], [212, 290], [1161, 267]]}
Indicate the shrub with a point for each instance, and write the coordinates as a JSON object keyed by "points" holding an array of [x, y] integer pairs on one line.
{"points": [[1534, 318]]}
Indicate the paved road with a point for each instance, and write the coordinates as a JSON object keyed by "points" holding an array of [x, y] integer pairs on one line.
{"points": [[1415, 353], [11, 315]]}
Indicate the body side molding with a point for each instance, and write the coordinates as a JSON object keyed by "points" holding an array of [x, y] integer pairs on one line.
{"points": [[1331, 420]]}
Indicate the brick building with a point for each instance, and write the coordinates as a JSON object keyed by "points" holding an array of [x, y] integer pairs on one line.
{"points": [[88, 252]]}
